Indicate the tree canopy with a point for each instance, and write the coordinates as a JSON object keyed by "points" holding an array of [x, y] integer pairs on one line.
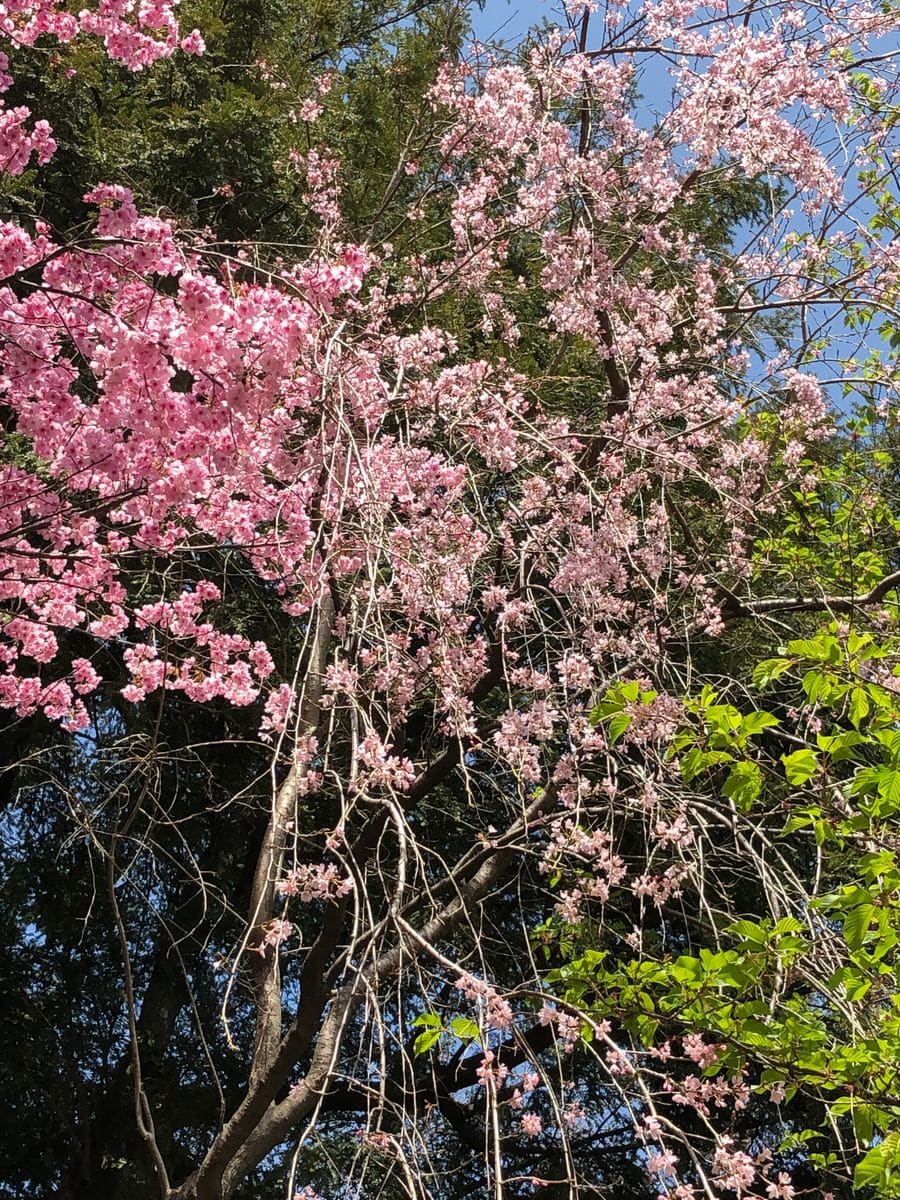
{"points": [[449, 647]]}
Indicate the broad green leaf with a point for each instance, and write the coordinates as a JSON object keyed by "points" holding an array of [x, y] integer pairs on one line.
{"points": [[856, 925], [840, 746], [769, 670], [756, 722], [428, 1020], [749, 931], [800, 766], [821, 649], [618, 726], [743, 785], [464, 1028], [426, 1040], [788, 925], [859, 706], [878, 1165]]}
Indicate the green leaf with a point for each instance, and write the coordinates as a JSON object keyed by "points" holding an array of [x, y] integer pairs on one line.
{"points": [[863, 1123], [426, 1040], [788, 925], [464, 1028], [724, 718], [852, 980], [856, 925], [428, 1020], [617, 726], [758, 721], [874, 1170], [749, 931], [691, 764], [859, 706], [743, 785], [800, 766], [840, 746], [604, 709], [821, 686], [889, 785], [769, 670], [820, 649]]}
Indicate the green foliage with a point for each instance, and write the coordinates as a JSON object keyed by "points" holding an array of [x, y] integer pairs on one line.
{"points": [[434, 1030], [827, 1035], [208, 139], [838, 535]]}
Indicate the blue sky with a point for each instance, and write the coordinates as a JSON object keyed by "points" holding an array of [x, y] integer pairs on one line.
{"points": [[508, 19]]}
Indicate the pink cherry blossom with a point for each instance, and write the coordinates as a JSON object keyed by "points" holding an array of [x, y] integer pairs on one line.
{"points": [[531, 1124]]}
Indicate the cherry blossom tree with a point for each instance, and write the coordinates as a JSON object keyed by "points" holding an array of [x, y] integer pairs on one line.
{"points": [[468, 532]]}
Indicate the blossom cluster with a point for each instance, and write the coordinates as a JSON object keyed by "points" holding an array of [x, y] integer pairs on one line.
{"points": [[320, 881]]}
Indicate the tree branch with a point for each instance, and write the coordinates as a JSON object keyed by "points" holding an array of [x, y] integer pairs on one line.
{"points": [[275, 1123], [267, 976], [733, 607]]}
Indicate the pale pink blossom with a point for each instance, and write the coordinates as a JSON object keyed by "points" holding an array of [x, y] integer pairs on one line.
{"points": [[531, 1125]]}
